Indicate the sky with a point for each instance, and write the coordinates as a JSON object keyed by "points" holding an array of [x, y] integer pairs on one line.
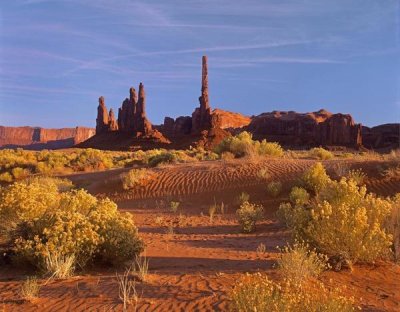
{"points": [[58, 56]]}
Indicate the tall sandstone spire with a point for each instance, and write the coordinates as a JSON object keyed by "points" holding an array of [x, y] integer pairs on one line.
{"points": [[102, 116], [201, 117]]}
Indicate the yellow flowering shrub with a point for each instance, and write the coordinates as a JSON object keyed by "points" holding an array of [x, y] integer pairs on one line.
{"points": [[320, 153], [315, 178], [136, 177], [343, 220], [244, 145], [255, 292], [248, 215], [49, 219]]}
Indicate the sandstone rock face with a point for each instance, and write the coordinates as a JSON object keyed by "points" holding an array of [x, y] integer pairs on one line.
{"points": [[201, 117], [177, 127], [385, 136], [41, 138], [228, 120], [102, 116], [306, 130]]}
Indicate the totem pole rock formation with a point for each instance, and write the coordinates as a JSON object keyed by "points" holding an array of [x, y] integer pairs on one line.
{"points": [[201, 117], [102, 117]]}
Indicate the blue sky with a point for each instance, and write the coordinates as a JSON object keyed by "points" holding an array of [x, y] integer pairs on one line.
{"points": [[58, 56]]}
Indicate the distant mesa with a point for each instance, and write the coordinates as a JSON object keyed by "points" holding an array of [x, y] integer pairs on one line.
{"points": [[36, 138]]}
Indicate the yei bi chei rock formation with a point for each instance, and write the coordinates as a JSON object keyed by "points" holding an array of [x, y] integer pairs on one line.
{"points": [[131, 116]]}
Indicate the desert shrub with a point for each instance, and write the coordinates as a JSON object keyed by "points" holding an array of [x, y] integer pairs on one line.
{"points": [[263, 174], [47, 226], [342, 221], [269, 149], [299, 196], [136, 177], [357, 175], [298, 262], [248, 214], [394, 226], [243, 145], [20, 173], [174, 205], [274, 188], [164, 158], [6, 177], [255, 292], [315, 178], [227, 156], [30, 288], [320, 153]]}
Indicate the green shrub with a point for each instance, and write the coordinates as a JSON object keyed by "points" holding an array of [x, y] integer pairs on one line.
{"points": [[248, 214], [342, 221], [315, 178], [48, 227], [299, 196], [164, 158], [320, 153], [274, 188]]}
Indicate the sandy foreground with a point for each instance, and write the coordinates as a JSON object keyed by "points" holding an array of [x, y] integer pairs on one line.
{"points": [[193, 260]]}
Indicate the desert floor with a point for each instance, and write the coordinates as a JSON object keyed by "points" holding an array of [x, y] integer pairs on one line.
{"points": [[194, 261]]}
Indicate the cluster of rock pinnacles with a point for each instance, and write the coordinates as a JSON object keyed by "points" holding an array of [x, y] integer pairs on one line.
{"points": [[132, 114]]}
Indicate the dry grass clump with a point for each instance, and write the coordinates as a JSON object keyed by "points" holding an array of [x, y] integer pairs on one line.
{"points": [[242, 198], [30, 288], [248, 214], [342, 220], [274, 188], [320, 153], [58, 230], [243, 145], [127, 289], [298, 262], [357, 175], [136, 177], [59, 265]]}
